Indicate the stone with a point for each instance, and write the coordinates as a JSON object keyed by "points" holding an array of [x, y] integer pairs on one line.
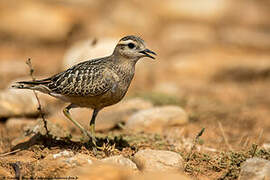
{"points": [[120, 112], [100, 171], [54, 129], [71, 159], [266, 146], [157, 119], [80, 159], [19, 123], [158, 160], [88, 49], [17, 126], [120, 160], [61, 162], [64, 153], [17, 103], [255, 169], [48, 102]]}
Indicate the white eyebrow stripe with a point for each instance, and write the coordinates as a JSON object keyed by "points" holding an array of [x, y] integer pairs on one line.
{"points": [[128, 41]]}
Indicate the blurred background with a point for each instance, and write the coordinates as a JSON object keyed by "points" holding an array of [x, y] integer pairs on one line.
{"points": [[213, 55]]}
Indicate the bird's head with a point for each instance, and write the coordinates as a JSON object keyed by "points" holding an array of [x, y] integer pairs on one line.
{"points": [[133, 47]]}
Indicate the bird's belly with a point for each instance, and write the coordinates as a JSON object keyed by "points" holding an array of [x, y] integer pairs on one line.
{"points": [[111, 97]]}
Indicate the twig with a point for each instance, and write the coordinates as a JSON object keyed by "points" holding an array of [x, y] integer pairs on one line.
{"points": [[259, 137], [28, 62], [246, 143], [195, 143], [11, 152], [224, 136], [242, 139], [254, 149], [255, 146]]}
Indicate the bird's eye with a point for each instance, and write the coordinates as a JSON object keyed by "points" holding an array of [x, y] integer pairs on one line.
{"points": [[131, 45]]}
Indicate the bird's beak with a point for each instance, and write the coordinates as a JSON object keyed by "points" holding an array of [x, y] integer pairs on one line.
{"points": [[146, 53]]}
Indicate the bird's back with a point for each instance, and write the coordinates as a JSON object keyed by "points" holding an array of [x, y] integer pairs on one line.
{"points": [[89, 78]]}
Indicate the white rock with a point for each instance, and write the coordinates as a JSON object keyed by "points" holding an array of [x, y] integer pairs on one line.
{"points": [[17, 102], [64, 153], [255, 169], [70, 158], [47, 101], [157, 160], [79, 159], [120, 112], [157, 119], [120, 160], [19, 123], [54, 129], [266, 146]]}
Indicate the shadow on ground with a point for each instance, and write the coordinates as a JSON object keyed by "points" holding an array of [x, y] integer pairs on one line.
{"points": [[48, 141]]}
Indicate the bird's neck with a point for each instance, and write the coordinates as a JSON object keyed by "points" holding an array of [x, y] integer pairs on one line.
{"points": [[124, 67], [124, 61]]}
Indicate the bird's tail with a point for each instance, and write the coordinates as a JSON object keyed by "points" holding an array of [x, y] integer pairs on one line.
{"points": [[39, 85]]}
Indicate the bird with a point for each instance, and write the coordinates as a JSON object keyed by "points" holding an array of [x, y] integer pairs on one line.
{"points": [[95, 83]]}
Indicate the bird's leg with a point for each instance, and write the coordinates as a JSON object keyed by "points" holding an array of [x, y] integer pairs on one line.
{"points": [[67, 114], [92, 126]]}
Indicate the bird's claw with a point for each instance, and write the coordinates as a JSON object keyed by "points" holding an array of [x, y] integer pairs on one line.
{"points": [[88, 136]]}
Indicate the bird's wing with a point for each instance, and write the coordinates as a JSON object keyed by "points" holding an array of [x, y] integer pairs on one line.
{"points": [[85, 79]]}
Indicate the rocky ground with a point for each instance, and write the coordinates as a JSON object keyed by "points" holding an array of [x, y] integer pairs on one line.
{"points": [[200, 111]]}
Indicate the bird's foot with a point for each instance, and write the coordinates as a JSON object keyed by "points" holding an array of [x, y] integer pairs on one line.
{"points": [[88, 136]]}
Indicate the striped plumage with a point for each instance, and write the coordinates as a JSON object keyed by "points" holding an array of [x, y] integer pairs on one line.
{"points": [[94, 83], [83, 79]]}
